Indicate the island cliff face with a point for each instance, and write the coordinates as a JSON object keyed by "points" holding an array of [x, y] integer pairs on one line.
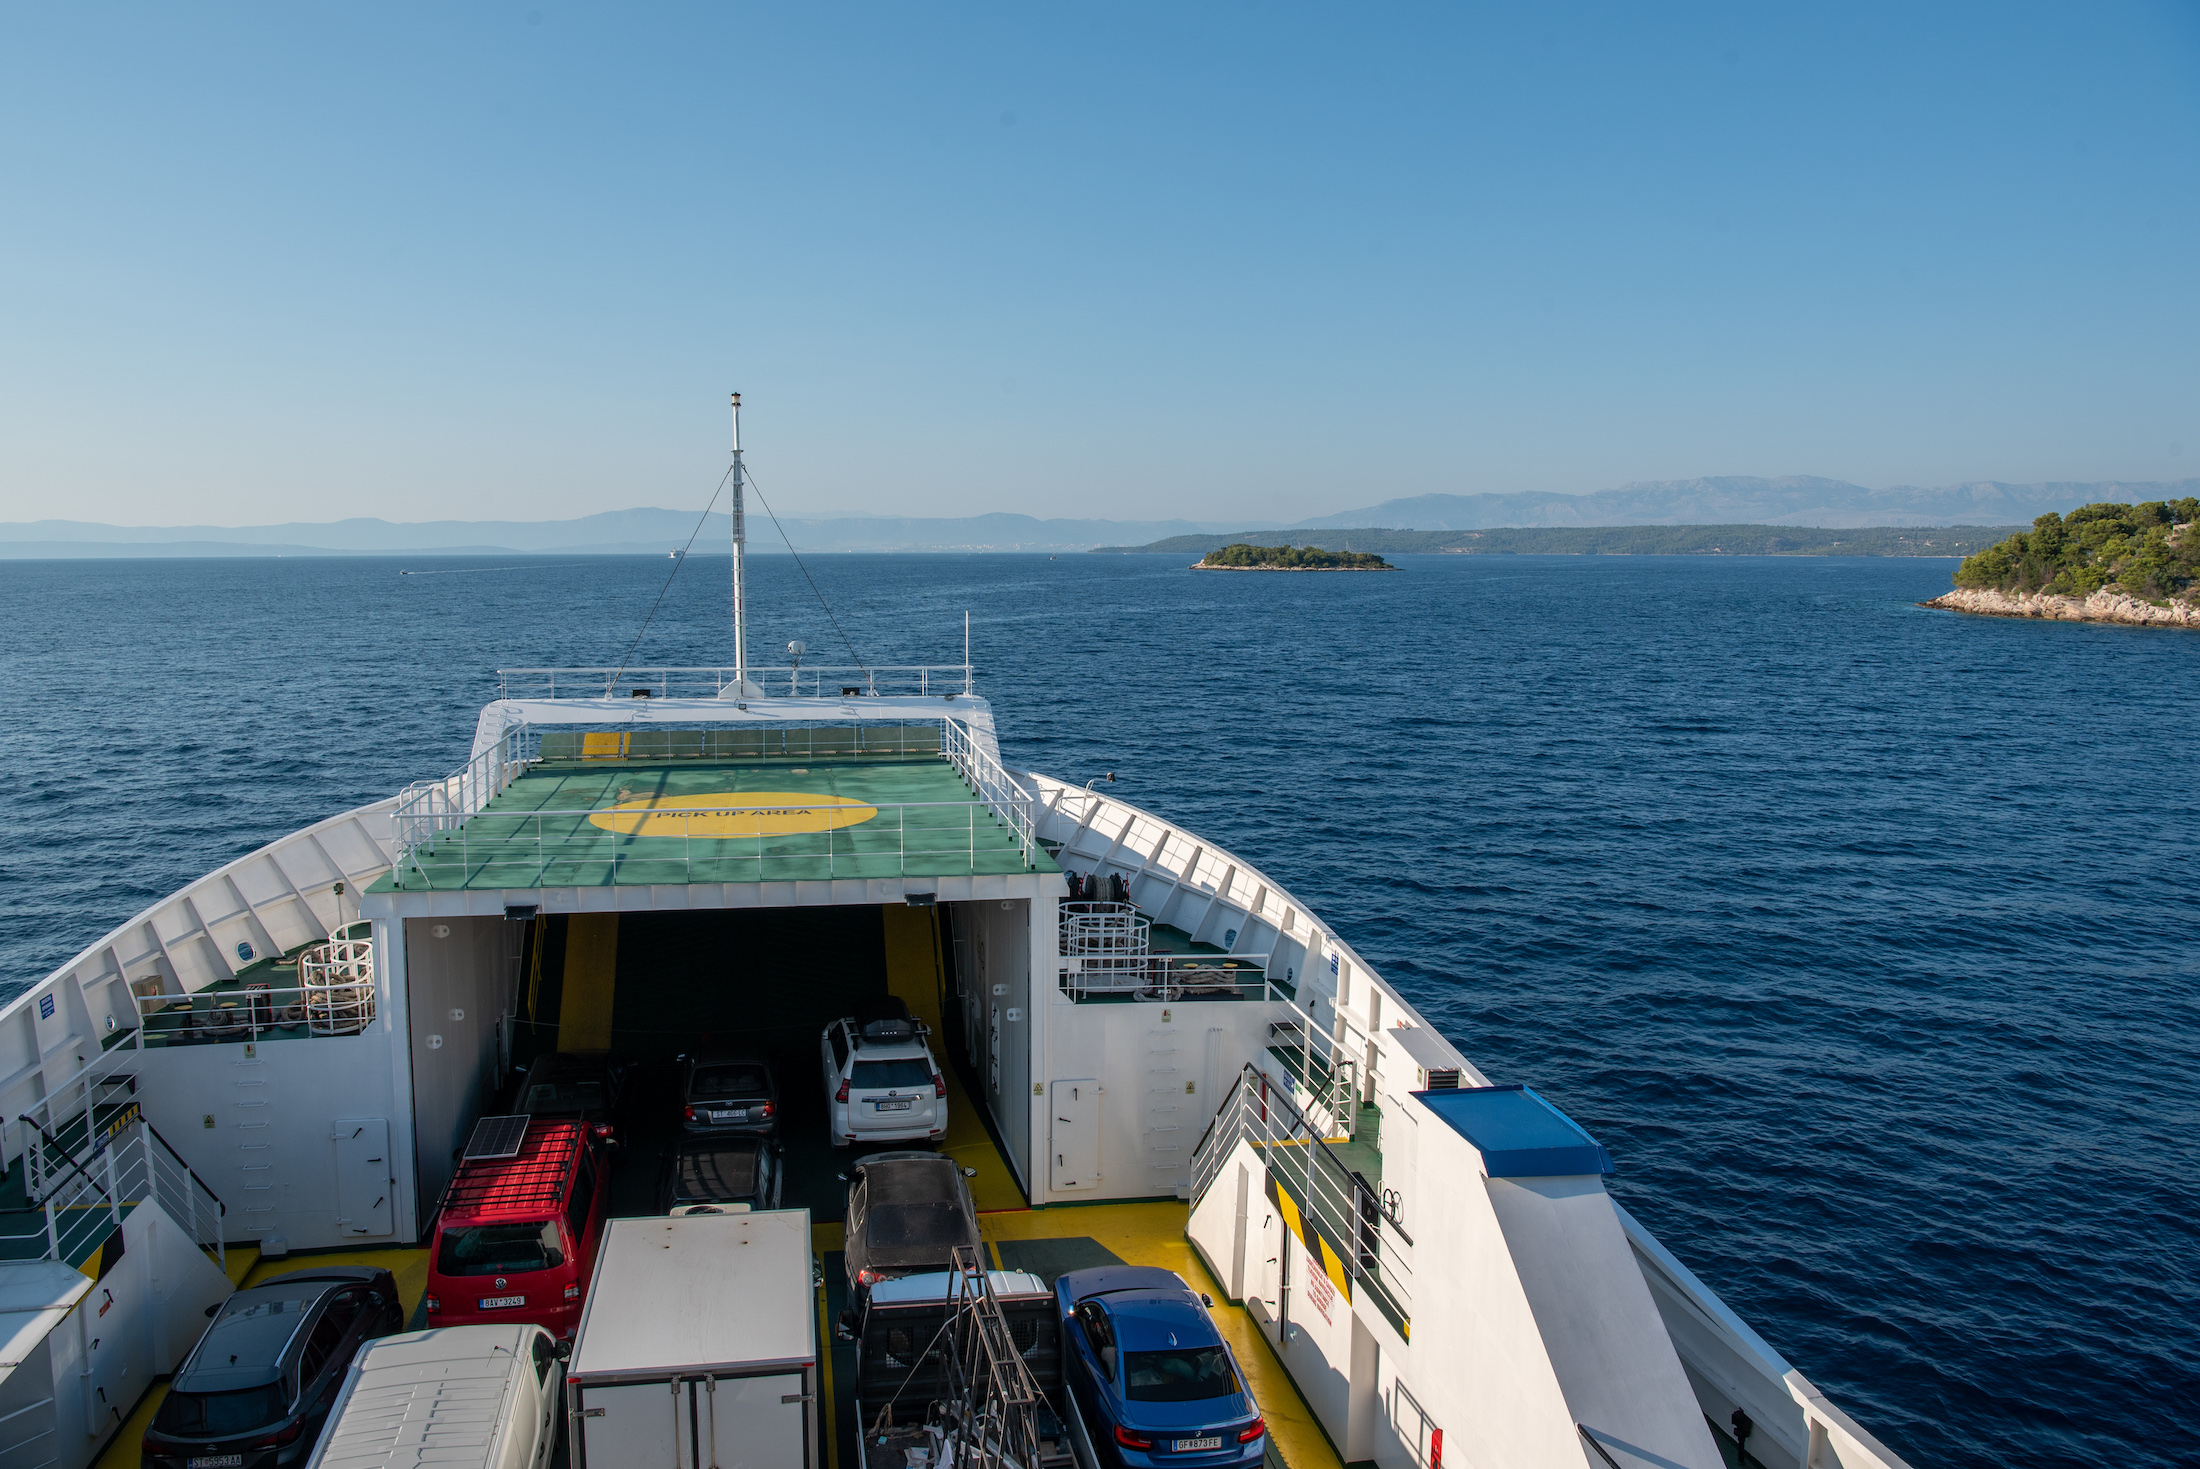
{"points": [[2101, 606], [2136, 564]]}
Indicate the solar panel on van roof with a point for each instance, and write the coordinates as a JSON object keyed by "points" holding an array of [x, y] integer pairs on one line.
{"points": [[496, 1137]]}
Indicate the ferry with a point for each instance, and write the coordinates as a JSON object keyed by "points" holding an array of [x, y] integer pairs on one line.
{"points": [[1153, 1054]]}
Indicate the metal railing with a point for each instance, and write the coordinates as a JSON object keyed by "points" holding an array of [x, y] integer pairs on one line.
{"points": [[1336, 1202], [427, 807], [820, 680], [1168, 977], [983, 773], [429, 810], [521, 849], [79, 1200], [1105, 930]]}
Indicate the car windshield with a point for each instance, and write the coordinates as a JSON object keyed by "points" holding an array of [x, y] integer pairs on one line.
{"points": [[214, 1414], [1181, 1375], [729, 1081], [500, 1249], [879, 1075], [549, 1098]]}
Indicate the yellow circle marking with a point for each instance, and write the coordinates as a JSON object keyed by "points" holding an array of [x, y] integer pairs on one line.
{"points": [[733, 814]]}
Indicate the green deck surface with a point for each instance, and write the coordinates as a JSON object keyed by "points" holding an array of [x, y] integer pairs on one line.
{"points": [[537, 833]]}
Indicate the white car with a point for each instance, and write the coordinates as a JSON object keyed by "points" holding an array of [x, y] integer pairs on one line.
{"points": [[881, 1083]]}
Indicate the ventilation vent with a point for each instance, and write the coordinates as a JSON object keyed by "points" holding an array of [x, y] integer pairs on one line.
{"points": [[500, 1137], [1443, 1079]]}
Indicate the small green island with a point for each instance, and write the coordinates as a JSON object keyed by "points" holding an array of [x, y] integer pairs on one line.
{"points": [[1244, 557], [2100, 563]]}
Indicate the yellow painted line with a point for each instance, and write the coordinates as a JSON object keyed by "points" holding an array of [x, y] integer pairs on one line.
{"points": [[1153, 1234], [122, 1452], [591, 966], [913, 976], [828, 1418]]}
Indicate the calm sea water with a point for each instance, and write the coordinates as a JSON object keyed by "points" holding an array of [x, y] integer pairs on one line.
{"points": [[1863, 936]]}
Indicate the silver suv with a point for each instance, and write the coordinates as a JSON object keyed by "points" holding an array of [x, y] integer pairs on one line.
{"points": [[881, 1083]]}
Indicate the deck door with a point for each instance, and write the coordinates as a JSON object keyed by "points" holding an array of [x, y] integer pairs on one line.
{"points": [[363, 1177], [1073, 1134]]}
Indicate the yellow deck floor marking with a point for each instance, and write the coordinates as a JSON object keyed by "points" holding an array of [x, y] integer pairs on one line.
{"points": [[759, 814], [913, 976], [1153, 1234], [591, 967], [247, 1269]]}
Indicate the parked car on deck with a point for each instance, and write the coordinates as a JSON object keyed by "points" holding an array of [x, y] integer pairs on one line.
{"points": [[516, 1238], [255, 1391], [457, 1397], [728, 1092], [583, 1085], [1155, 1381], [706, 1174], [906, 1213], [881, 1083]]}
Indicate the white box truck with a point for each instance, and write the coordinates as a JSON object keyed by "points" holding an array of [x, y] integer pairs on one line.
{"points": [[698, 1348]]}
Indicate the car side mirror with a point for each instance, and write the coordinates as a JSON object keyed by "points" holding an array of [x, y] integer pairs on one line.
{"points": [[563, 1351], [1206, 1300], [841, 1176], [970, 1173], [210, 1310]]}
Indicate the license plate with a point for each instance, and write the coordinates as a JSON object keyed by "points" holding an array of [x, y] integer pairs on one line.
{"points": [[901, 1106], [1190, 1445], [490, 1303], [216, 1461], [738, 1115]]}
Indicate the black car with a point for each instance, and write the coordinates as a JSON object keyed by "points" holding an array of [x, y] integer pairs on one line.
{"points": [[906, 1213], [583, 1085], [708, 1172], [728, 1092], [255, 1391]]}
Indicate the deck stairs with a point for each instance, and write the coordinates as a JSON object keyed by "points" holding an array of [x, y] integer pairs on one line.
{"points": [[111, 1255]]}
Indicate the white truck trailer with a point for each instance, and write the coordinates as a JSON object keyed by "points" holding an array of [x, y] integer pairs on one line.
{"points": [[698, 1348]]}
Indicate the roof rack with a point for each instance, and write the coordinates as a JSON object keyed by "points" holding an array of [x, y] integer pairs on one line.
{"points": [[535, 1175]]}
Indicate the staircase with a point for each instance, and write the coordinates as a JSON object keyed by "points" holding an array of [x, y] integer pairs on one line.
{"points": [[111, 1255]]}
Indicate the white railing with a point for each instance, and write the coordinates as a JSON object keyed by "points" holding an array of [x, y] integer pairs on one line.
{"points": [[711, 683], [1341, 1205], [1105, 930], [520, 849], [336, 982], [1168, 977], [984, 775], [427, 807], [80, 1195]]}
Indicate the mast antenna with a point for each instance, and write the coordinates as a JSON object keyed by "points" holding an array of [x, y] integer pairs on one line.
{"points": [[740, 583]]}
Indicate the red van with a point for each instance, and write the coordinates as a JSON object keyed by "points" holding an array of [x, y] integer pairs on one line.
{"points": [[515, 1238]]}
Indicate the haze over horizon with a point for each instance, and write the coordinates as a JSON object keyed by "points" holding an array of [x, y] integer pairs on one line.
{"points": [[275, 265]]}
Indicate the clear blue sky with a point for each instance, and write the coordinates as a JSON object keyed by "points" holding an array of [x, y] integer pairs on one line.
{"points": [[300, 261]]}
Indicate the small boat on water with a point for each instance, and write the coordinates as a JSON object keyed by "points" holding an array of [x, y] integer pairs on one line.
{"points": [[1152, 1054]]}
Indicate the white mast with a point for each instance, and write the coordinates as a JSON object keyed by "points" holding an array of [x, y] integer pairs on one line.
{"points": [[740, 587]]}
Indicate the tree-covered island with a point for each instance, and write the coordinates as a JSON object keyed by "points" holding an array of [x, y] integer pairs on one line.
{"points": [[2109, 563], [1243, 557]]}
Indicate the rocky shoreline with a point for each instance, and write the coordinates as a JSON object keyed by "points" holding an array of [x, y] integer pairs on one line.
{"points": [[2103, 606], [1203, 566]]}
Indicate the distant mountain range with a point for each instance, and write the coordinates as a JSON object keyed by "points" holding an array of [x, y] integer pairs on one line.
{"points": [[1796, 500], [1735, 500]]}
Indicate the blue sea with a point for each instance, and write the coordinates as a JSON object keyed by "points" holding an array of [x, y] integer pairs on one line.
{"points": [[1867, 938]]}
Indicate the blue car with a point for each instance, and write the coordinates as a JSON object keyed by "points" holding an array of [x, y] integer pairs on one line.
{"points": [[1154, 1379]]}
